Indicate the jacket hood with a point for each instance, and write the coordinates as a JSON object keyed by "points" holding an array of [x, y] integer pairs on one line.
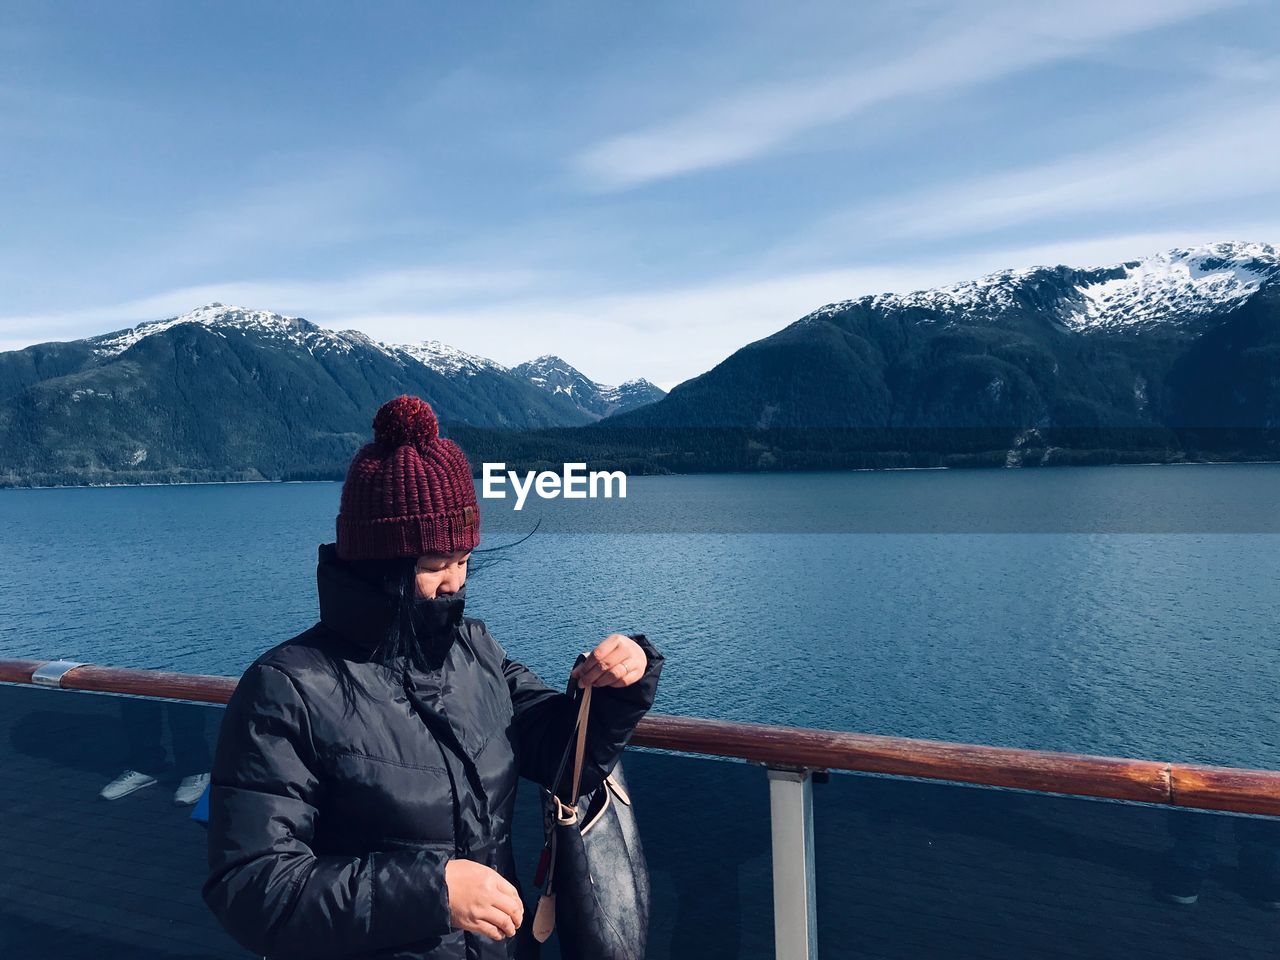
{"points": [[362, 613]]}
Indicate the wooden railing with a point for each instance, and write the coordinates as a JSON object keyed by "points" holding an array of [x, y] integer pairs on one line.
{"points": [[1148, 781]]}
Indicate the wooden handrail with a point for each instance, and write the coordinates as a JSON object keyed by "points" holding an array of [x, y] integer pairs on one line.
{"points": [[1191, 786]]}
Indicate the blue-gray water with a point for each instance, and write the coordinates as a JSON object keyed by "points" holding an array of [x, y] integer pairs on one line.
{"points": [[1160, 645]]}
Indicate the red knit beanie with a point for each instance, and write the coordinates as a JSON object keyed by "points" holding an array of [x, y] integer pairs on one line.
{"points": [[409, 492]]}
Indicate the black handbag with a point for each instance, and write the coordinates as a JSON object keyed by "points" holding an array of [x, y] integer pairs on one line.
{"points": [[592, 874]]}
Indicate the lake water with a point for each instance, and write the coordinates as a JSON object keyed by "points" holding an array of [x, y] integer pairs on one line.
{"points": [[1117, 610]]}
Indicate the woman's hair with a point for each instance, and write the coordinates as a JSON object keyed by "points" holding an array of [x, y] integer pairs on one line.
{"points": [[398, 578]]}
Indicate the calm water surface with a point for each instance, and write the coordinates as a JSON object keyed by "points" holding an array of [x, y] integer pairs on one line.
{"points": [[1099, 640]]}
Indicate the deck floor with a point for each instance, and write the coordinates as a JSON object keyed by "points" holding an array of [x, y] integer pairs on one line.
{"points": [[82, 877]]}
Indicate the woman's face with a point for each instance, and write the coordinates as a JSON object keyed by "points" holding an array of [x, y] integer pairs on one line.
{"points": [[439, 573]]}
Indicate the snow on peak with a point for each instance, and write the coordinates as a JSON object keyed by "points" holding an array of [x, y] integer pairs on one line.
{"points": [[1178, 284], [557, 376], [539, 368], [549, 372], [637, 390], [219, 318], [297, 332], [445, 359], [992, 293]]}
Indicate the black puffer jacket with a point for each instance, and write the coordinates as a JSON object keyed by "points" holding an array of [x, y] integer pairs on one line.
{"points": [[329, 834]]}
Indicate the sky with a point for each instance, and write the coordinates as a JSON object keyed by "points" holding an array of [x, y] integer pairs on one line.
{"points": [[640, 189]]}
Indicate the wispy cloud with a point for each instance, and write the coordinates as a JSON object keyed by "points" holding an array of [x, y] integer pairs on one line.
{"points": [[1193, 161], [664, 335], [328, 302], [1000, 42], [291, 198]]}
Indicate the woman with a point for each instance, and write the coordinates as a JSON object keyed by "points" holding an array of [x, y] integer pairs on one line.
{"points": [[365, 773]]}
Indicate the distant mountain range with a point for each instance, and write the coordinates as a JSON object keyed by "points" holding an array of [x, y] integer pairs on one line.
{"points": [[1188, 337], [1175, 357], [1148, 358], [596, 400], [228, 393], [1172, 357]]}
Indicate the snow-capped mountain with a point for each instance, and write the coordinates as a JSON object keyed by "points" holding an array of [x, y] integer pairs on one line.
{"points": [[547, 373], [1176, 287], [225, 391], [445, 359], [1168, 292], [220, 320], [295, 332], [597, 400], [1184, 338], [631, 394]]}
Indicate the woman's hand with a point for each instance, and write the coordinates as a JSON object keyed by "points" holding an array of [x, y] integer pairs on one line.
{"points": [[618, 661], [482, 900]]}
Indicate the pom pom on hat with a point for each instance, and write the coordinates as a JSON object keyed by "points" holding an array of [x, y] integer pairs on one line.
{"points": [[405, 420]]}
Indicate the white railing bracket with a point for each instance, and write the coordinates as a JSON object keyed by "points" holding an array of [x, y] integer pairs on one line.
{"points": [[795, 920]]}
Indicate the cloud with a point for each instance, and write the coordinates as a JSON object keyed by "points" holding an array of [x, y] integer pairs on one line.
{"points": [[312, 202], [1194, 160], [1003, 41], [324, 301], [666, 336]]}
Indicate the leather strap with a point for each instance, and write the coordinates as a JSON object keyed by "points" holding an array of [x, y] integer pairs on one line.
{"points": [[582, 742], [544, 920], [575, 748]]}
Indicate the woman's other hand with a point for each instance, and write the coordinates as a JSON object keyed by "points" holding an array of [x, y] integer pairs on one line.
{"points": [[482, 900], [618, 661]]}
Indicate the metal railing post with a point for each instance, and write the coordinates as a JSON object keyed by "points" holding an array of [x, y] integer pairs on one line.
{"points": [[795, 915]]}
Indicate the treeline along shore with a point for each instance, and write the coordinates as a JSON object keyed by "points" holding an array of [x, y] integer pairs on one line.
{"points": [[659, 451]]}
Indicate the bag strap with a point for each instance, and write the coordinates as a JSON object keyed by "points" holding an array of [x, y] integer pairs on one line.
{"points": [[582, 743], [577, 748], [544, 920]]}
